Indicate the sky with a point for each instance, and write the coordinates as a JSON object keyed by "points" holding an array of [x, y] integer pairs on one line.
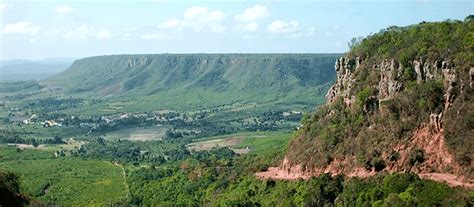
{"points": [[80, 28]]}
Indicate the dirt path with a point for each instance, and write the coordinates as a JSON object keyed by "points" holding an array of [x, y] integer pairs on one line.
{"points": [[452, 180], [125, 181], [449, 179], [279, 174]]}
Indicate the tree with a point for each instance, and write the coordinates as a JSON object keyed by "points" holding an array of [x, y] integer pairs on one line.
{"points": [[57, 140], [10, 190], [34, 143]]}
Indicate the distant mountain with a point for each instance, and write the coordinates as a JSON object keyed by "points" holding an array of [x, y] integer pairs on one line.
{"points": [[402, 102], [16, 70], [198, 80]]}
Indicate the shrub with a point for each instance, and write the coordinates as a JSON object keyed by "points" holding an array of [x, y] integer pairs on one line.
{"points": [[409, 74], [416, 156], [362, 96], [397, 183], [378, 164]]}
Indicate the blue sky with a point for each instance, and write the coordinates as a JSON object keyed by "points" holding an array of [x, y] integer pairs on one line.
{"points": [[47, 28]]}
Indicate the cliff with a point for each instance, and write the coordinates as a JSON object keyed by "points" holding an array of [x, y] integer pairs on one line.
{"points": [[394, 108]]}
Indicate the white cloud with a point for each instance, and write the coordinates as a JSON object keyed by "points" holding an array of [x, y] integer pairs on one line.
{"points": [[83, 32], [203, 14], [249, 27], [154, 36], [171, 23], [23, 27], [199, 19], [283, 27], [254, 13], [291, 29], [64, 9]]}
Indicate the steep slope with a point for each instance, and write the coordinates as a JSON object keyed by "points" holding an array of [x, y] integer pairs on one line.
{"points": [[214, 78], [402, 102]]}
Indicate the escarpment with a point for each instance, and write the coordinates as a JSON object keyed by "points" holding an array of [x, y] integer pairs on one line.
{"points": [[365, 129], [400, 111], [117, 75]]}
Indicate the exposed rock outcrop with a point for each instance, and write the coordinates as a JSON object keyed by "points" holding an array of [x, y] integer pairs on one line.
{"points": [[391, 72], [138, 62], [428, 138], [471, 76], [344, 80]]}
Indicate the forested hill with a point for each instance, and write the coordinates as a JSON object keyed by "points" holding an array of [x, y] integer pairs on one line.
{"points": [[402, 102]]}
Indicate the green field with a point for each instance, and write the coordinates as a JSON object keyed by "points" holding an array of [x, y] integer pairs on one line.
{"points": [[68, 181]]}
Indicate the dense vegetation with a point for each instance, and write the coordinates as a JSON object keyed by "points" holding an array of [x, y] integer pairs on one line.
{"points": [[218, 177], [450, 39]]}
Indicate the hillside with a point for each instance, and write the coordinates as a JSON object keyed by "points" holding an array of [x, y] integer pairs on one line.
{"points": [[200, 80], [402, 102]]}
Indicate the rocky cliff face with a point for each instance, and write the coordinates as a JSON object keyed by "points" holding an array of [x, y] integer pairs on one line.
{"points": [[434, 159], [391, 72]]}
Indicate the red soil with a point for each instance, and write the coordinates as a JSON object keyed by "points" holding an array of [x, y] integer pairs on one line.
{"points": [[439, 164]]}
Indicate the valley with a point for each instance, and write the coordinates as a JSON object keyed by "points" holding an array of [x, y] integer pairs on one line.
{"points": [[50, 128], [388, 123]]}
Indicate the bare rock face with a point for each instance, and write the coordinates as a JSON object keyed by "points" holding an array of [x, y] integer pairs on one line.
{"points": [[438, 70], [390, 73], [429, 70], [471, 74], [344, 80], [138, 62]]}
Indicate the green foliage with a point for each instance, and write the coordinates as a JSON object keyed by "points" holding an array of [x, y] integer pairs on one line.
{"points": [[216, 177], [128, 151], [362, 96], [409, 74], [431, 40], [68, 181], [400, 190], [397, 183]]}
